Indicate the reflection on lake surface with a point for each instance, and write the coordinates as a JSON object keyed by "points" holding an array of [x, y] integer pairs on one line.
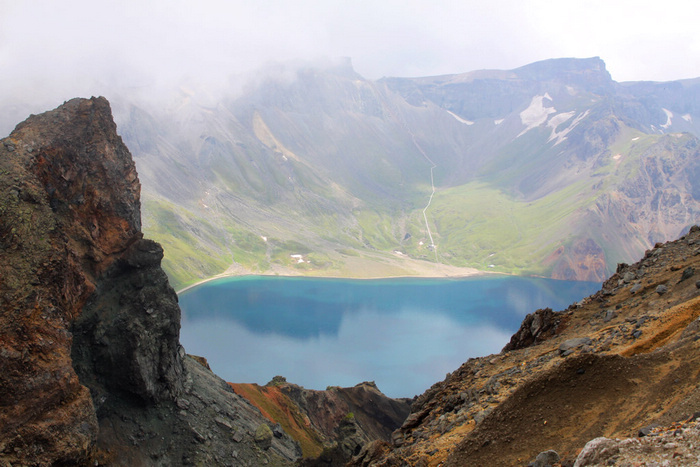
{"points": [[405, 334]]}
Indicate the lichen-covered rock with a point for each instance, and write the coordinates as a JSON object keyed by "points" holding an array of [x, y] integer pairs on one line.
{"points": [[263, 436], [597, 451]]}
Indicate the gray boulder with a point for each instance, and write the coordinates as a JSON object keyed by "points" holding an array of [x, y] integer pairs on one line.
{"points": [[546, 459], [597, 451], [570, 345]]}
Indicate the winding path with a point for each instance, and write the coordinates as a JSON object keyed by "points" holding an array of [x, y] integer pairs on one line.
{"points": [[432, 181], [395, 115], [432, 193]]}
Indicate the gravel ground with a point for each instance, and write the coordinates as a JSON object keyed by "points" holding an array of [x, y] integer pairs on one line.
{"points": [[675, 445]]}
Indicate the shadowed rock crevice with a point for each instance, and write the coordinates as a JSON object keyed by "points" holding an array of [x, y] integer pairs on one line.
{"points": [[127, 338]]}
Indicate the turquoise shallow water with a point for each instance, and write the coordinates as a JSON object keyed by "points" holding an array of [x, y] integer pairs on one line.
{"points": [[405, 334]]}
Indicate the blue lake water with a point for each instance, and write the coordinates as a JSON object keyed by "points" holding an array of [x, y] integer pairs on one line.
{"points": [[405, 333]]}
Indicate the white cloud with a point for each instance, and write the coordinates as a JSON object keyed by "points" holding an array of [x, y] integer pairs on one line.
{"points": [[79, 47]]}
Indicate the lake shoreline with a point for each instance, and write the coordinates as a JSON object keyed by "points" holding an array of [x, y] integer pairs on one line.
{"points": [[468, 272]]}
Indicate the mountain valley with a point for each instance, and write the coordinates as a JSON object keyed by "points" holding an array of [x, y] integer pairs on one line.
{"points": [[552, 169]]}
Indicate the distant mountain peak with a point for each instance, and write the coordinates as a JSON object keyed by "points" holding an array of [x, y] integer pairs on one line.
{"points": [[589, 73]]}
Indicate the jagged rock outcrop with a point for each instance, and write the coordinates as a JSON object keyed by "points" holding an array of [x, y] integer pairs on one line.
{"points": [[331, 425], [534, 328], [91, 368], [126, 338], [620, 360], [61, 226]]}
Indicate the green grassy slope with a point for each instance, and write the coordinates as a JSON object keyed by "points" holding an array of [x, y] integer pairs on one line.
{"points": [[543, 170], [477, 224]]}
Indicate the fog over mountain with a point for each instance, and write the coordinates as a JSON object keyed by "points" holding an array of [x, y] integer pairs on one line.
{"points": [[354, 139], [52, 51], [94, 372], [257, 140], [551, 169]]}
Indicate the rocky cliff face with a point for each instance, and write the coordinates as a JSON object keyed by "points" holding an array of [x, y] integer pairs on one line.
{"points": [[330, 425], [611, 366], [92, 369], [62, 226]]}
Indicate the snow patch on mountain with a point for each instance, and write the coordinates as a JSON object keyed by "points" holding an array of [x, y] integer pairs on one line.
{"points": [[536, 114], [557, 120], [460, 119], [554, 123], [669, 116]]}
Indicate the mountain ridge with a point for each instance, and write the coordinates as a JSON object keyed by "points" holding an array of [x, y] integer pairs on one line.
{"points": [[531, 170], [527, 165], [607, 368]]}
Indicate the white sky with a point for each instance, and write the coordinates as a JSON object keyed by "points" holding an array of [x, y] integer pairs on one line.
{"points": [[73, 44]]}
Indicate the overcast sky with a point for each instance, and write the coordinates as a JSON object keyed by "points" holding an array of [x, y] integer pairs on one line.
{"points": [[74, 44]]}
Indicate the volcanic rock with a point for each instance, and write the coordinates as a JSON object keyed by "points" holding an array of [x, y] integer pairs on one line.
{"points": [[92, 370], [569, 345], [331, 425], [533, 329], [546, 459]]}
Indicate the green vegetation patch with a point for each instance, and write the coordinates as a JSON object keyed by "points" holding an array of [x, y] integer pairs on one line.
{"points": [[480, 226], [194, 248]]}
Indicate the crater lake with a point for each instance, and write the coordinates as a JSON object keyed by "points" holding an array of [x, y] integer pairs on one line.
{"points": [[403, 333]]}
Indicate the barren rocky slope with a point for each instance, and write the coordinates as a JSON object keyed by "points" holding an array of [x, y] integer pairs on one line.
{"points": [[621, 360], [91, 369]]}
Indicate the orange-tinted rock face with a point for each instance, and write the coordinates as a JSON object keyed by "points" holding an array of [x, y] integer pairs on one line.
{"points": [[584, 260], [88, 176], [348, 417], [70, 207]]}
